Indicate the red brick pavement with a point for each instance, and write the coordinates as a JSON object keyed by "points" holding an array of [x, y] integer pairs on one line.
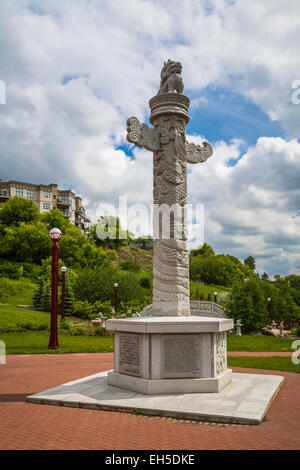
{"points": [[30, 426]]}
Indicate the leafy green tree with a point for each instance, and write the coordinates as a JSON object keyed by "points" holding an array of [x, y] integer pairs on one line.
{"points": [[18, 210], [285, 300], [250, 261], [109, 233], [26, 243], [71, 244], [55, 219], [218, 269], [204, 250], [264, 277], [247, 302]]}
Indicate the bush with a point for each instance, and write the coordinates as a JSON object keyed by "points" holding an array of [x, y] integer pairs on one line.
{"points": [[129, 265], [64, 325], [145, 282], [33, 326], [77, 331], [82, 309], [100, 331], [98, 285], [295, 331]]}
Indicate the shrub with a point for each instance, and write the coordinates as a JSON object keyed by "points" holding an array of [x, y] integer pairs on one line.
{"points": [[65, 325], [145, 282], [132, 266], [77, 331], [103, 307], [82, 309], [33, 326], [100, 331], [98, 284]]}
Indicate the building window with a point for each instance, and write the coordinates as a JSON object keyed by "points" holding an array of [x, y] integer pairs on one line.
{"points": [[30, 194], [19, 192], [65, 211], [46, 206], [47, 194]]}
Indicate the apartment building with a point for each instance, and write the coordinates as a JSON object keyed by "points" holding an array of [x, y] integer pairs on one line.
{"points": [[47, 197]]}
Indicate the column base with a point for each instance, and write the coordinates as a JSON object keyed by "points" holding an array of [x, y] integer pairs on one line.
{"points": [[170, 386]]}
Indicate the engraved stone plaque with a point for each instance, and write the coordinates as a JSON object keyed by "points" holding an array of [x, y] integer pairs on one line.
{"points": [[130, 354], [182, 355]]}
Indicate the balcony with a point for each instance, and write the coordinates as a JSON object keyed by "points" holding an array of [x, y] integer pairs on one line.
{"points": [[65, 201], [4, 195]]}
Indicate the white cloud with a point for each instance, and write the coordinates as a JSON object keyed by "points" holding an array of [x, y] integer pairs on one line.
{"points": [[74, 72]]}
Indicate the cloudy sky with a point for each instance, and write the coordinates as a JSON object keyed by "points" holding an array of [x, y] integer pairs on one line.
{"points": [[76, 70]]}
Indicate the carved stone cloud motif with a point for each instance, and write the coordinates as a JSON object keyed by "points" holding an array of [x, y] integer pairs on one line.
{"points": [[171, 153]]}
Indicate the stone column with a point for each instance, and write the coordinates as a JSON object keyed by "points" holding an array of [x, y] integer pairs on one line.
{"points": [[171, 153], [169, 116]]}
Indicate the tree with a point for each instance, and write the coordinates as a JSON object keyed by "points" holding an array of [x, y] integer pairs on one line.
{"points": [[38, 295], [264, 277], [46, 301], [55, 219], [18, 210], [109, 233], [26, 243], [250, 261], [71, 244], [204, 250], [69, 299], [247, 302]]}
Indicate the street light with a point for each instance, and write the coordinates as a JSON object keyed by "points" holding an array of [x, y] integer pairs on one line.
{"points": [[63, 284], [116, 285], [55, 236], [216, 297]]}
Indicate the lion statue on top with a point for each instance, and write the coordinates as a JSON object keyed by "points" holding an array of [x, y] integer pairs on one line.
{"points": [[170, 78]]}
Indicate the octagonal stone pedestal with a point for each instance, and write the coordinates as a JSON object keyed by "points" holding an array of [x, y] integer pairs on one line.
{"points": [[159, 355]]}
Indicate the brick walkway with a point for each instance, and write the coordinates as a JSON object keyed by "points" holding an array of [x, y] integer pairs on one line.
{"points": [[28, 426]]}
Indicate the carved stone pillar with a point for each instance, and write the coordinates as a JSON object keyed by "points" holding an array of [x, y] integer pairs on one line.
{"points": [[169, 116]]}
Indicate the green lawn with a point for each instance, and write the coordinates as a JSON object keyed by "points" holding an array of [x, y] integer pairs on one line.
{"points": [[258, 343], [37, 343], [268, 363]]}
